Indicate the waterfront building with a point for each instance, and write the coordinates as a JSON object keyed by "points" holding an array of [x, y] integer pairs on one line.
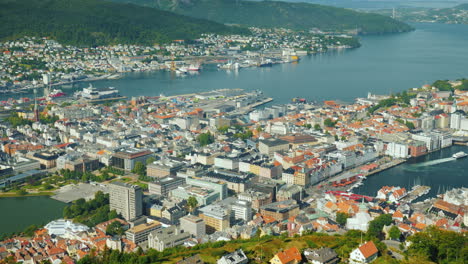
{"points": [[65, 228], [397, 150], [193, 225], [126, 199], [139, 233], [167, 237]]}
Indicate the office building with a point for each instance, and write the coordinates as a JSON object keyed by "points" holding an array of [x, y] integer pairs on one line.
{"points": [[139, 233], [216, 217], [126, 159], [126, 199], [242, 210], [164, 168], [280, 210], [193, 225], [163, 186]]}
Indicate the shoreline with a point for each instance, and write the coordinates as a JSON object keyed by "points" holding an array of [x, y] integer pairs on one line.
{"points": [[14, 195]]}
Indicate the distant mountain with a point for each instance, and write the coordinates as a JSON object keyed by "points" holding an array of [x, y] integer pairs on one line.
{"points": [[462, 7], [96, 22], [454, 15], [279, 14]]}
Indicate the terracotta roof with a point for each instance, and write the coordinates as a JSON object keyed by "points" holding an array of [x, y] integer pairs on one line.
{"points": [[289, 255], [368, 249]]}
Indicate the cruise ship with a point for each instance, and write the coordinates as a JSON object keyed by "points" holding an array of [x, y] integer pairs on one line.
{"points": [[93, 93], [459, 155]]}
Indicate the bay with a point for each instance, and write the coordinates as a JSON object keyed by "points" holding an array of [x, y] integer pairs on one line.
{"points": [[438, 170]]}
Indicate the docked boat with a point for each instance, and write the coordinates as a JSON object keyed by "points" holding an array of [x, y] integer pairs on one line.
{"points": [[92, 93], [265, 63], [194, 67], [56, 93], [459, 155]]}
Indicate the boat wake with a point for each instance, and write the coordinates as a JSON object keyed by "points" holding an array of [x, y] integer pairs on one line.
{"points": [[435, 162]]}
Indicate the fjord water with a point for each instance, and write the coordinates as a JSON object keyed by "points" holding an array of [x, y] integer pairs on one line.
{"points": [[383, 64]]}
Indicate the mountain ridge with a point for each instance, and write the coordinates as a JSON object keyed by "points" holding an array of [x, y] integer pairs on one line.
{"points": [[299, 16], [95, 22]]}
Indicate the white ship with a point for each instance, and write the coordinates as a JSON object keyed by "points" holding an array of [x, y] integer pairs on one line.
{"points": [[93, 93], [194, 67], [459, 155]]}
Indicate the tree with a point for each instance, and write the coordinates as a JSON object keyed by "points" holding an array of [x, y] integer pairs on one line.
{"points": [[115, 228], [192, 203], [205, 139], [443, 85], [329, 122], [341, 218], [394, 233], [150, 160], [139, 168], [410, 125], [376, 225], [317, 127]]}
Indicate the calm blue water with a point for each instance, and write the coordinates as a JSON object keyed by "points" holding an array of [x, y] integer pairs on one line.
{"points": [[437, 170], [20, 212], [384, 64]]}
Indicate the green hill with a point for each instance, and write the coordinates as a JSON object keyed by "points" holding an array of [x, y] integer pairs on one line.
{"points": [[279, 14], [95, 22]]}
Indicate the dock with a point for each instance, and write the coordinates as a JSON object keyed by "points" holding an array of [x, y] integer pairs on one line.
{"points": [[416, 192]]}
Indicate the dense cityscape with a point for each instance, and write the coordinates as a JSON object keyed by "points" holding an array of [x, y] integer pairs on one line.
{"points": [[188, 170], [233, 132], [24, 61]]}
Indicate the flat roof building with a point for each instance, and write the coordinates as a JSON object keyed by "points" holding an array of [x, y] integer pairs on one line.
{"points": [[139, 233], [126, 199], [193, 225], [163, 186]]}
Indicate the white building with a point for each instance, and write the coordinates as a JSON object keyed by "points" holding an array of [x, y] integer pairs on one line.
{"points": [[360, 221], [397, 150], [242, 210], [65, 228], [366, 253]]}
